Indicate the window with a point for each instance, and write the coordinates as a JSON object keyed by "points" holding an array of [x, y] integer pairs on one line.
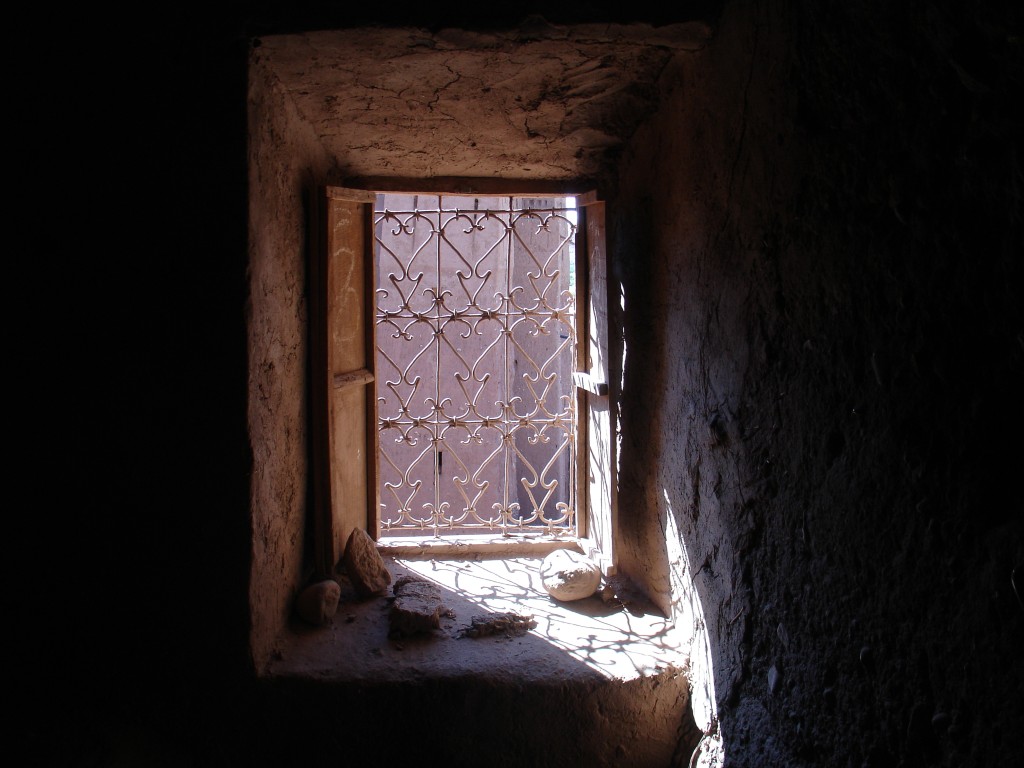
{"points": [[460, 371], [475, 346]]}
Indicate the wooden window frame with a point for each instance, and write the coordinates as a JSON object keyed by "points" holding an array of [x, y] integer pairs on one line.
{"points": [[343, 403]]}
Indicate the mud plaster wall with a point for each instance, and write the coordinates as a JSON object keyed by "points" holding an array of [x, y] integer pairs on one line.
{"points": [[819, 243], [285, 158], [699, 180]]}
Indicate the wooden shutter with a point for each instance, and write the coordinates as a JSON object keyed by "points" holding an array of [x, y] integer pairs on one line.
{"points": [[343, 404], [596, 450]]}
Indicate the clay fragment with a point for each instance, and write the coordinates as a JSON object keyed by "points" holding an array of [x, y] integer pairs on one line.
{"points": [[508, 624], [417, 608]]}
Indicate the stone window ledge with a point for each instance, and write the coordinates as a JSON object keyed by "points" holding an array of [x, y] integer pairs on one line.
{"points": [[613, 635]]}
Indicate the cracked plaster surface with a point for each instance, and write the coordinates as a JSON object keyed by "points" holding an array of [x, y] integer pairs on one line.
{"points": [[536, 102]]}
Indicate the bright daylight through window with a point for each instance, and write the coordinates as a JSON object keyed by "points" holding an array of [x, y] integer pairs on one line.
{"points": [[460, 371], [475, 342]]}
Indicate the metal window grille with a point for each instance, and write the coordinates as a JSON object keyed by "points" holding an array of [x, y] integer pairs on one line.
{"points": [[475, 334]]}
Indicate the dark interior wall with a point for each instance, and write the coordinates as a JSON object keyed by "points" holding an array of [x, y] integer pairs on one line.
{"points": [[823, 298], [868, 447], [908, 185]]}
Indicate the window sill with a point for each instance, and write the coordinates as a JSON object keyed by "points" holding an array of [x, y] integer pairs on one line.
{"points": [[618, 639]]}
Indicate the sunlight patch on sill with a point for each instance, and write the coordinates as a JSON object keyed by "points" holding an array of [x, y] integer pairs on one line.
{"points": [[616, 639], [620, 637]]}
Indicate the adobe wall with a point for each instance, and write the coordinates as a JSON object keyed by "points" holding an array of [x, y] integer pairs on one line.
{"points": [[819, 248], [285, 163]]}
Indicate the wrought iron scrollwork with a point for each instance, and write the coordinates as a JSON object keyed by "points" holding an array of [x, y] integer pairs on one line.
{"points": [[475, 343]]}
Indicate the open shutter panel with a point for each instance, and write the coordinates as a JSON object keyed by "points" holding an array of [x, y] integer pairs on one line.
{"points": [[597, 449], [344, 437]]}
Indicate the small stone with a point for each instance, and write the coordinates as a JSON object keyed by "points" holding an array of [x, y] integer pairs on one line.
{"points": [[568, 575], [318, 602], [773, 679], [364, 565]]}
